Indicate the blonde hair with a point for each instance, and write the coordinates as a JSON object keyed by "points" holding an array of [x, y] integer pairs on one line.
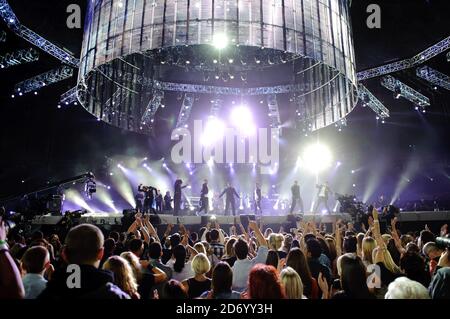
{"points": [[275, 241], [387, 260], [292, 283], [386, 238], [200, 248], [200, 264], [368, 245], [124, 277], [134, 263]]}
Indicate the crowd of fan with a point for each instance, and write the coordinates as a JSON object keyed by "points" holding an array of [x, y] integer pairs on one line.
{"points": [[306, 263]]}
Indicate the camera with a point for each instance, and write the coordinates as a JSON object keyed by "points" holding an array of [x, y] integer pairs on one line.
{"points": [[443, 242]]}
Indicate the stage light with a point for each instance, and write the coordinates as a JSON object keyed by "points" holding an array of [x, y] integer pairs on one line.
{"points": [[220, 41], [324, 211], [213, 132], [164, 165], [317, 157], [242, 119]]}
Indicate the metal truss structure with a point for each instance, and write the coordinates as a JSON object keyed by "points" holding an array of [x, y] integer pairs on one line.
{"points": [[154, 104], [69, 97], [224, 90], [185, 111], [368, 99], [7, 14], [274, 112], [416, 60], [404, 90], [434, 77], [44, 79], [216, 106], [18, 57], [448, 57]]}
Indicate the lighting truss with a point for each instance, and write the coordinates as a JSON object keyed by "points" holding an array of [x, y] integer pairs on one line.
{"points": [[185, 111], [274, 113], [216, 106], [434, 77], [13, 23], [416, 60], [69, 97], [448, 57], [407, 92], [111, 106], [44, 79], [368, 99], [150, 111], [223, 90], [2, 36], [18, 57]]}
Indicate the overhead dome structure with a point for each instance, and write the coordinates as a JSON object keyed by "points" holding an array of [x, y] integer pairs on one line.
{"points": [[135, 52]]}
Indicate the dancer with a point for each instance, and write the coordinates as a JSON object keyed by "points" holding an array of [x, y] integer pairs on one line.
{"points": [[229, 193], [295, 190], [148, 199], [204, 200], [258, 199], [322, 196], [178, 186]]}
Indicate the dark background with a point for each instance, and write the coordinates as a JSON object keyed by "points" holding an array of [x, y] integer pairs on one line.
{"points": [[40, 143]]}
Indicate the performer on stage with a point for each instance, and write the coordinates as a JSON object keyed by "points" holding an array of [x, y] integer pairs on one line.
{"points": [[168, 201], [139, 197], [229, 193], [159, 201], [149, 198], [258, 199], [322, 196], [204, 201], [177, 196], [295, 190]]}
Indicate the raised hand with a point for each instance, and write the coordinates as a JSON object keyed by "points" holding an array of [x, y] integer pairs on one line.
{"points": [[323, 285]]}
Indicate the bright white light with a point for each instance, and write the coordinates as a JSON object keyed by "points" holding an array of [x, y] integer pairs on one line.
{"points": [[220, 41], [317, 158], [242, 119], [214, 131]]}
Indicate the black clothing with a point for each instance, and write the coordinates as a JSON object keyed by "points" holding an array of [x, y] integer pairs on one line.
{"points": [[167, 202], [316, 268], [146, 284], [159, 200], [229, 193], [230, 260], [204, 200], [177, 197], [95, 284], [149, 193], [197, 288], [296, 198], [258, 197]]}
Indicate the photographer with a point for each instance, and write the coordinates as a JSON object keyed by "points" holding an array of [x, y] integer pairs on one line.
{"points": [[440, 284], [10, 282]]}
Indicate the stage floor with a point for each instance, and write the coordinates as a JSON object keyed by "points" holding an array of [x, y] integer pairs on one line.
{"points": [[116, 218]]}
